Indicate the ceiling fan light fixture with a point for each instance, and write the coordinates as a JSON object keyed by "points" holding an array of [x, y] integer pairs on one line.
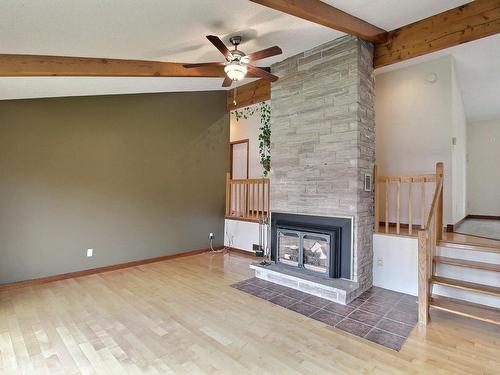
{"points": [[235, 70]]}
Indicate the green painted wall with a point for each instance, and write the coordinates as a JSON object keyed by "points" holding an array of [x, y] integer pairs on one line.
{"points": [[131, 176]]}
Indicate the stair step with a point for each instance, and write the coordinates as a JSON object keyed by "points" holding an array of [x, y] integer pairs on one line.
{"points": [[468, 263], [466, 285], [470, 246], [468, 309]]}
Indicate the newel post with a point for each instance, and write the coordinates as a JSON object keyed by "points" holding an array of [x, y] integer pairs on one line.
{"points": [[423, 279], [439, 218], [376, 196]]}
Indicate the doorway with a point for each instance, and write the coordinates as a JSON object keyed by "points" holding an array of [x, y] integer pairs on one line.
{"points": [[239, 159]]}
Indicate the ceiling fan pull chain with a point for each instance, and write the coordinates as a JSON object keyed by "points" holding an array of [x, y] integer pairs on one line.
{"points": [[234, 96]]}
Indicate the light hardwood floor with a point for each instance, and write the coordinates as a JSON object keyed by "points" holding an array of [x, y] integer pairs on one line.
{"points": [[181, 317]]}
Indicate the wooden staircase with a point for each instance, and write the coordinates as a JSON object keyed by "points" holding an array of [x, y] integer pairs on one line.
{"points": [[430, 241], [459, 306], [464, 308]]}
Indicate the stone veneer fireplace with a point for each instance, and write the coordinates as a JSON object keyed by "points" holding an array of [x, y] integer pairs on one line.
{"points": [[322, 145]]}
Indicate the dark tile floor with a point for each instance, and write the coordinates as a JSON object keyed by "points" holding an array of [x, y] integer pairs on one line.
{"points": [[382, 316]]}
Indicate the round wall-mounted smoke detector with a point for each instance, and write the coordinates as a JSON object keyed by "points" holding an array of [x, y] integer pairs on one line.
{"points": [[431, 78]]}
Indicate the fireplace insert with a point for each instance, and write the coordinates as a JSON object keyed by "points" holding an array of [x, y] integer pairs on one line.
{"points": [[312, 244]]}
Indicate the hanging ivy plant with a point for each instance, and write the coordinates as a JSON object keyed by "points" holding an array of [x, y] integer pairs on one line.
{"points": [[264, 110]]}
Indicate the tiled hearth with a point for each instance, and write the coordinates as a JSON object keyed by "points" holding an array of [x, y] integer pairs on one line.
{"points": [[382, 316]]}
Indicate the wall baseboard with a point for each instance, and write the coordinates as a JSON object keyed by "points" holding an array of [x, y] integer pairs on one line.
{"points": [[452, 227], [247, 253], [92, 271], [484, 217]]}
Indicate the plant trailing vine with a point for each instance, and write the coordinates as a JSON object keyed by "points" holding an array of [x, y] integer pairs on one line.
{"points": [[265, 131]]}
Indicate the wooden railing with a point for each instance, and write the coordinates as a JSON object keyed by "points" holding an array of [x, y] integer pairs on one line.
{"points": [[416, 188], [428, 238], [247, 199]]}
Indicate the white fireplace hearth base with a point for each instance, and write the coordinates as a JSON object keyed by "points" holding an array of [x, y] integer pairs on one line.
{"points": [[336, 290]]}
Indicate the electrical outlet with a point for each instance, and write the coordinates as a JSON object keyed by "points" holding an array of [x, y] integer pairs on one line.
{"points": [[210, 236], [90, 252], [380, 262]]}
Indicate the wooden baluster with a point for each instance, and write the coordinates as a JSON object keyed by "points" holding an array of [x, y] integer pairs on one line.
{"points": [[387, 205], [228, 194], [247, 202], [237, 199], [422, 203], [398, 206], [233, 198], [410, 204], [242, 199], [253, 200], [240, 186], [439, 211], [376, 199]]}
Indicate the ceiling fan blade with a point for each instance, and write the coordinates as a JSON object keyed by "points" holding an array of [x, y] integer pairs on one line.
{"points": [[262, 73], [201, 65], [265, 53], [227, 82], [220, 46]]}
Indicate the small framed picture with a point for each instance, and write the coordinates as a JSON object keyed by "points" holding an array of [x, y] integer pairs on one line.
{"points": [[368, 182]]}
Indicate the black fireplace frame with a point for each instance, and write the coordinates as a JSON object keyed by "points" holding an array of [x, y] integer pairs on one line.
{"points": [[339, 229]]}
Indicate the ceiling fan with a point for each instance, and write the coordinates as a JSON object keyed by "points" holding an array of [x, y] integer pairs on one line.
{"points": [[237, 63]]}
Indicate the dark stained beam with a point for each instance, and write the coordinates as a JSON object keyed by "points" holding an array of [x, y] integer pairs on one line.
{"points": [[35, 65], [324, 14], [475, 20], [248, 94]]}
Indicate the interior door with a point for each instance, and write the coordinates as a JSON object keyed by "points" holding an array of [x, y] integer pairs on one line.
{"points": [[239, 159]]}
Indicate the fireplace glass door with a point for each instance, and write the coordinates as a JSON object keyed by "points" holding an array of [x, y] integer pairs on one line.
{"points": [[316, 248], [306, 250], [289, 247]]}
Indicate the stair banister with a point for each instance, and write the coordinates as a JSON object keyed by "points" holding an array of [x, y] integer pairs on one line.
{"points": [[427, 241]]}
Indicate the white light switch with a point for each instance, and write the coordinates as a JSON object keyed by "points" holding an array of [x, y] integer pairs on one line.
{"points": [[90, 252]]}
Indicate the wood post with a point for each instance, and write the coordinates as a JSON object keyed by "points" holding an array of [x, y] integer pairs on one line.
{"points": [[387, 205], [228, 194], [439, 217], [423, 279], [410, 206], [376, 198], [422, 204], [398, 206]]}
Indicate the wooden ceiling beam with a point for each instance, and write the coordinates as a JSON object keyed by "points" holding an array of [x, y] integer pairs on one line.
{"points": [[324, 14], [475, 20], [34, 65], [62, 66], [248, 94]]}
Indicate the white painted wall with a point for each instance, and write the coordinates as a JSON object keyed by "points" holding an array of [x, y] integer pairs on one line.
{"points": [[248, 129], [395, 263], [458, 150], [484, 168], [241, 234], [395, 267], [415, 122]]}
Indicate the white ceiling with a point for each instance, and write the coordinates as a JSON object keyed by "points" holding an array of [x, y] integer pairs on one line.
{"points": [[172, 30], [477, 67], [391, 14]]}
